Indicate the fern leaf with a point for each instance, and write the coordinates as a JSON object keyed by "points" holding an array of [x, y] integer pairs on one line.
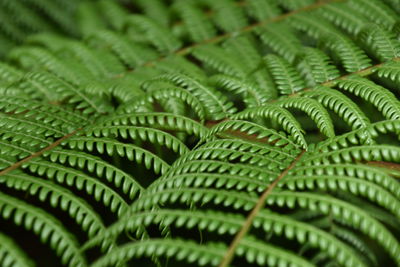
{"points": [[294, 4], [281, 40], [243, 48], [156, 34], [197, 166], [216, 104], [11, 254], [382, 99], [380, 43], [358, 171], [347, 155], [58, 196], [131, 54], [360, 136], [390, 70], [159, 120], [287, 79], [155, 136], [352, 214], [351, 56], [228, 16], [341, 105], [375, 11], [253, 96], [165, 94], [219, 59], [155, 9], [114, 14], [273, 137], [109, 146], [313, 109], [356, 242], [279, 115], [81, 181], [24, 139], [344, 16], [27, 125], [188, 250], [98, 166], [9, 74], [49, 114], [46, 226], [315, 67], [198, 26], [351, 185], [262, 10]]}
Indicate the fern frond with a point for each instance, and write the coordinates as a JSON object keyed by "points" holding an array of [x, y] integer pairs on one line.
{"points": [[156, 34], [228, 16], [345, 17], [49, 114], [57, 196], [375, 11], [155, 136], [315, 67], [281, 40], [38, 128], [36, 58], [382, 44], [356, 153], [244, 48], [313, 109], [273, 137], [159, 120], [358, 171], [340, 104], [216, 104], [361, 135], [131, 54], [252, 95], [164, 94], [230, 223], [182, 250], [347, 212], [101, 168], [113, 13], [11, 254], [351, 56], [196, 23], [287, 79], [155, 9], [262, 10], [219, 59], [171, 132], [99, 191], [278, 115], [382, 99], [9, 74], [390, 70], [49, 229], [354, 186], [109, 146]]}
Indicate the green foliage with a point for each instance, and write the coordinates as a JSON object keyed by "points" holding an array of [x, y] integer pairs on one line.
{"points": [[200, 133]]}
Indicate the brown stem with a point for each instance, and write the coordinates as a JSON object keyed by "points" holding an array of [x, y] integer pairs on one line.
{"points": [[249, 220], [39, 153], [219, 38]]}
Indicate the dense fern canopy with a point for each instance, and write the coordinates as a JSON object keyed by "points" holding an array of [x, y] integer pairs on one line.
{"points": [[200, 133]]}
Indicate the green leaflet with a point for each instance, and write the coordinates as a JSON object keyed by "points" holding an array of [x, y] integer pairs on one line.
{"points": [[199, 132], [11, 254], [49, 229]]}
